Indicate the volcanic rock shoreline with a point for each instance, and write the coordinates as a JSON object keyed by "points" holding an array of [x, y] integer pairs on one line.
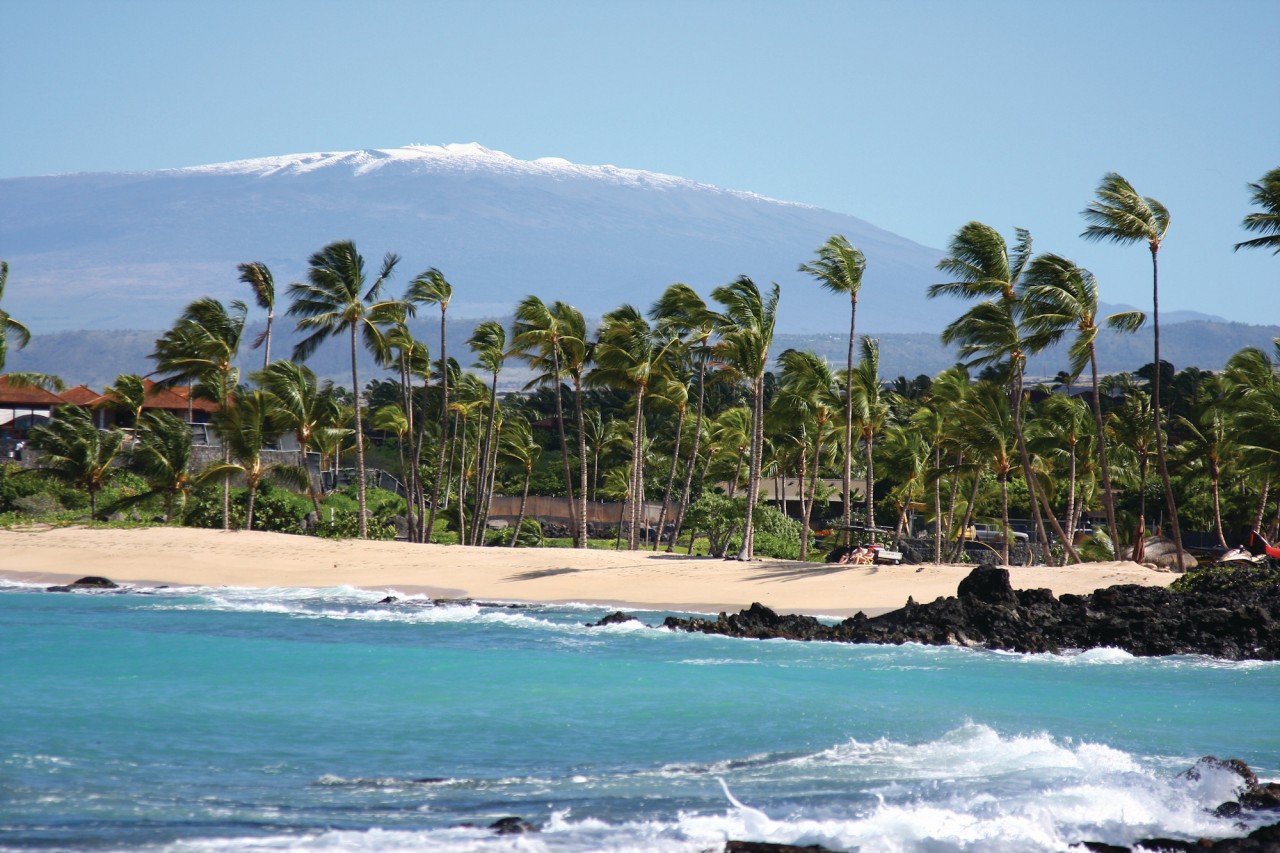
{"points": [[1228, 615]]}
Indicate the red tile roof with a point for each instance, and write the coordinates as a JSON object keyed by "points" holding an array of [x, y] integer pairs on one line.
{"points": [[174, 399], [81, 395], [29, 396]]}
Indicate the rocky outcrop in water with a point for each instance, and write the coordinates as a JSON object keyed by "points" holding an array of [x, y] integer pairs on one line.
{"points": [[92, 583], [1230, 615]]}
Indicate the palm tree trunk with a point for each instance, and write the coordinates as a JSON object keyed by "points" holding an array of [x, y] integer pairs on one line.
{"points": [[564, 443], [582, 462], [444, 426], [1025, 458], [266, 351], [671, 481], [968, 517], [488, 494], [1108, 493], [807, 508], [867, 441], [1161, 463], [253, 497], [848, 423], [637, 472], [462, 485], [524, 501], [1262, 504], [1004, 517], [1215, 477], [937, 504], [753, 472], [453, 456], [693, 458], [361, 500], [482, 496]]}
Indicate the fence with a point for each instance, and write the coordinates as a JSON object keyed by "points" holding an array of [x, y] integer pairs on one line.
{"points": [[557, 511]]}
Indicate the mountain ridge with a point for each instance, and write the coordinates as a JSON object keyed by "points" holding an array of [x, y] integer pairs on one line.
{"points": [[130, 249]]}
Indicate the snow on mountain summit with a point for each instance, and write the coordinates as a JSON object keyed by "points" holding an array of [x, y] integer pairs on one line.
{"points": [[453, 157], [130, 249]]}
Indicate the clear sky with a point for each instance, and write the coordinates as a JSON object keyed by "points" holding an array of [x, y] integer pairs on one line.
{"points": [[916, 116]]}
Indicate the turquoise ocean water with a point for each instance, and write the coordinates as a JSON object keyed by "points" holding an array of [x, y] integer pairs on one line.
{"points": [[234, 720]]}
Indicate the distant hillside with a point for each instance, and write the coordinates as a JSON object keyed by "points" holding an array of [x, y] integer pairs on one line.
{"points": [[96, 357]]}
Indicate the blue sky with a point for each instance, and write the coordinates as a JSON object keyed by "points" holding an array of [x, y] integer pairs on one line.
{"points": [[916, 116]]}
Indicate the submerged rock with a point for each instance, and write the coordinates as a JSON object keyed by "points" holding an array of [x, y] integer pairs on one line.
{"points": [[1230, 616]]}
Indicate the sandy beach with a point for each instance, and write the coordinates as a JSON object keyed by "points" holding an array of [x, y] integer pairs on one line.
{"points": [[638, 580]]}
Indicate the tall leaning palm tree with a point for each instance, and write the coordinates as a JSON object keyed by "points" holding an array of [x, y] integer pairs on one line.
{"points": [[1060, 297], [432, 288], [839, 268], [1119, 214], [333, 301], [681, 312], [1266, 194], [10, 329], [746, 329], [629, 356], [552, 340], [259, 279], [489, 343], [870, 414]]}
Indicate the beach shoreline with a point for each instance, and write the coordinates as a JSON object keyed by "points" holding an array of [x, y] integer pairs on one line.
{"points": [[636, 580]]}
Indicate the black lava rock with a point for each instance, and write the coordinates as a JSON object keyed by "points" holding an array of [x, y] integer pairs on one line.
{"points": [[1225, 617]]}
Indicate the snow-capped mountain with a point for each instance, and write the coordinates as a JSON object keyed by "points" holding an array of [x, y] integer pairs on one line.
{"points": [[129, 250]]}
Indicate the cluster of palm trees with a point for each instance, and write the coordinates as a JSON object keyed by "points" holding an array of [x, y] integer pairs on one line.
{"points": [[970, 445]]}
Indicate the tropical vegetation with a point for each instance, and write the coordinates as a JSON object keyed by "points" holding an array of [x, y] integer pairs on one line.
{"points": [[682, 415]]}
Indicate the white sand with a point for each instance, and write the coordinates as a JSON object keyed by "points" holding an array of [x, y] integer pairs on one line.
{"points": [[639, 580]]}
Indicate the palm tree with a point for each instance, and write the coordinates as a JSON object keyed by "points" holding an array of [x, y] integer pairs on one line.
{"points": [[411, 359], [870, 414], [681, 312], [9, 327], [1255, 405], [76, 452], [1134, 429], [1209, 441], [432, 288], [809, 385], [988, 433], [162, 457], [983, 265], [200, 350], [259, 279], [839, 268], [334, 300], [1120, 215], [746, 333], [247, 426], [489, 342], [629, 355], [301, 405], [672, 392], [551, 339], [907, 451], [1061, 296], [517, 447], [1266, 194], [128, 394], [1060, 431]]}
